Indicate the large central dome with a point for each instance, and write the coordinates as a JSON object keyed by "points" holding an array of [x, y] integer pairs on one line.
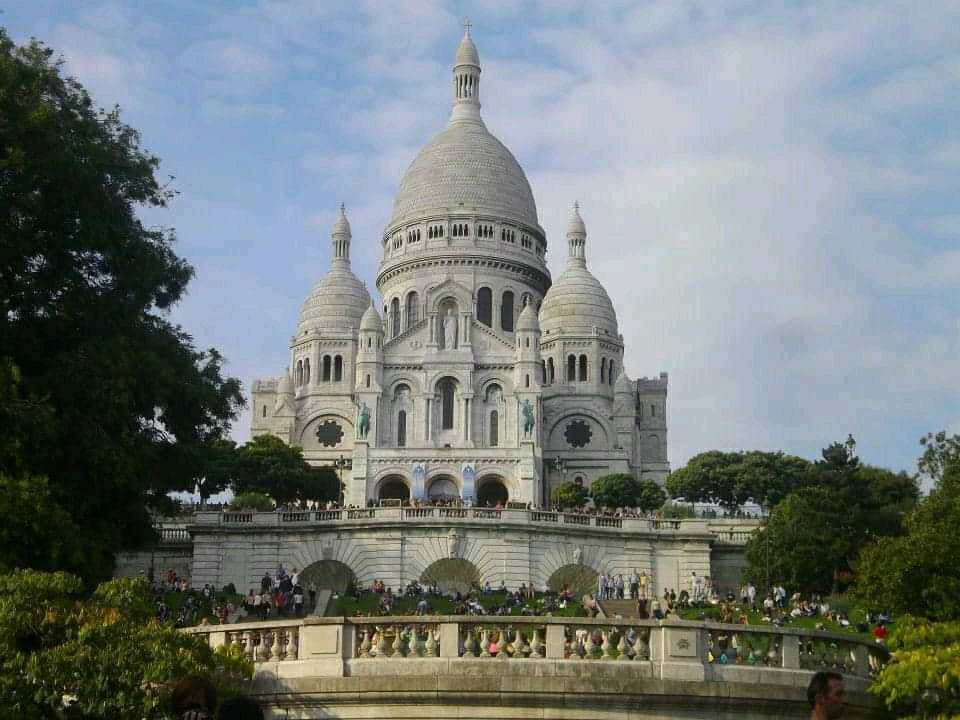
{"points": [[465, 168]]}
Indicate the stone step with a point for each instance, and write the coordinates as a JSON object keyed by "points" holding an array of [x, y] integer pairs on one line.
{"points": [[623, 608]]}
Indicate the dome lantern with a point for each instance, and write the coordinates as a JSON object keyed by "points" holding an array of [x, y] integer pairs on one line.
{"points": [[576, 239], [341, 237], [466, 80]]}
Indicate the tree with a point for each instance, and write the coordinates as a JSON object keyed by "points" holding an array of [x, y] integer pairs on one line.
{"points": [[814, 535], [112, 402], [253, 501], [917, 572], [615, 490], [799, 546], [923, 680], [569, 495], [104, 649], [268, 465], [939, 452], [650, 496], [732, 478]]}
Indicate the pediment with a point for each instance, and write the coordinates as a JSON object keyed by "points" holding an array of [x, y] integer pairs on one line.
{"points": [[450, 287], [412, 339]]}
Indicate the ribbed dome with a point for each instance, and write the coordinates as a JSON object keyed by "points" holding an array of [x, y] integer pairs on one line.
{"points": [[465, 169], [336, 303], [371, 320], [577, 302], [528, 320]]}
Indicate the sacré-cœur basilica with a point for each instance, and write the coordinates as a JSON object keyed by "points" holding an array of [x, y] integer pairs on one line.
{"points": [[478, 376]]}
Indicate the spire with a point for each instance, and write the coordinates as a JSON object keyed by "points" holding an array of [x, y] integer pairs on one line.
{"points": [[576, 239], [341, 237], [466, 80]]}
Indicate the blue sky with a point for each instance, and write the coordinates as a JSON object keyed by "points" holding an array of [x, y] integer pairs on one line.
{"points": [[770, 189]]}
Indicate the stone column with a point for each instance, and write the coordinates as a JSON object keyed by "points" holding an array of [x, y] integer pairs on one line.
{"points": [[429, 414]]}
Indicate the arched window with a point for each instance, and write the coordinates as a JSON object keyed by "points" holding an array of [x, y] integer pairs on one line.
{"points": [[485, 306], [611, 376], [583, 368], [402, 428], [550, 370], [368, 381], [299, 377], [527, 342], [526, 380], [337, 369], [571, 368], [543, 372], [653, 410], [306, 371], [494, 428], [264, 409], [395, 323], [603, 369], [447, 395], [412, 309], [506, 312], [326, 368]]}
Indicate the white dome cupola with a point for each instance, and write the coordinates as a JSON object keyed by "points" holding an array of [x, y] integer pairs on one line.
{"points": [[336, 303], [577, 304]]}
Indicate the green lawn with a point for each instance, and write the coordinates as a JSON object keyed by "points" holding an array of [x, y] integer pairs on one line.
{"points": [[855, 615], [368, 603]]}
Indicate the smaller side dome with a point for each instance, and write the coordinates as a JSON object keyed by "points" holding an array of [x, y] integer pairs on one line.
{"points": [[528, 321], [371, 320]]}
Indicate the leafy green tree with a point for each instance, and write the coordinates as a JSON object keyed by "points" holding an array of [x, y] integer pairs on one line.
{"points": [[799, 545], [569, 495], [253, 501], [923, 681], [939, 452], [814, 535], [268, 465], [650, 496], [732, 478], [111, 398], [917, 572], [104, 649], [615, 490]]}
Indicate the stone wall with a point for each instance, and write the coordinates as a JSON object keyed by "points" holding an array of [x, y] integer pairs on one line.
{"points": [[161, 558]]}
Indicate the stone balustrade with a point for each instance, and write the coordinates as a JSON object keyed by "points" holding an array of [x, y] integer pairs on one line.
{"points": [[735, 532], [694, 650]]}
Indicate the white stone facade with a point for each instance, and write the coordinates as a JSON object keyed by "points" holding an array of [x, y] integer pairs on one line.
{"points": [[470, 331]]}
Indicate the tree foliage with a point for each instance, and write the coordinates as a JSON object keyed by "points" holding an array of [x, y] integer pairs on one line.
{"points": [[733, 478], [615, 490], [923, 680], [813, 536], [569, 495], [105, 649], [105, 398], [939, 452], [917, 572], [268, 465], [650, 496], [253, 501]]}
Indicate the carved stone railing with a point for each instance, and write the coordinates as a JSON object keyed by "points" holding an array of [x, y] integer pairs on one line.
{"points": [[724, 532], [716, 649], [174, 536]]}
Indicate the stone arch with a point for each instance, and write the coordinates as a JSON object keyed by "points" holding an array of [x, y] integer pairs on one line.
{"points": [[442, 484], [310, 440], [327, 574], [492, 488], [451, 575], [581, 579], [408, 380], [556, 439], [393, 486]]}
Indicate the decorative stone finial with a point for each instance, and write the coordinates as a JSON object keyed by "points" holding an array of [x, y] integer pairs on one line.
{"points": [[466, 80], [466, 27]]}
